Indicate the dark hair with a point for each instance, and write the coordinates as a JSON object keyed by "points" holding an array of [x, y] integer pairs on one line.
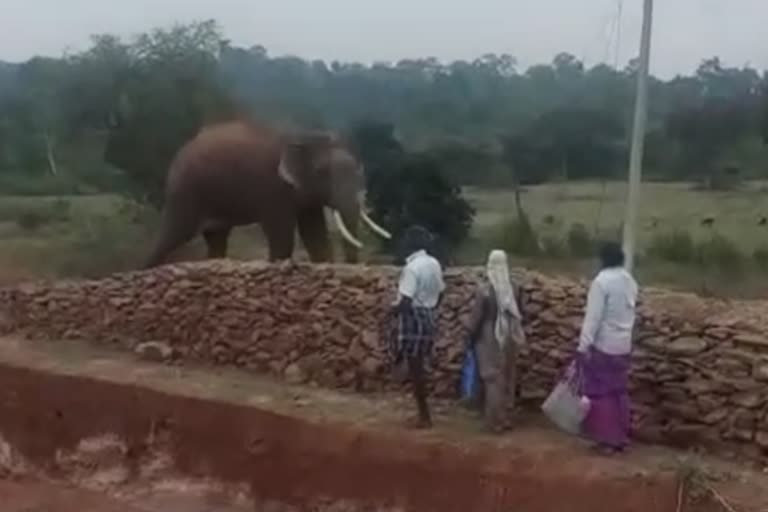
{"points": [[414, 238], [611, 255], [417, 238]]}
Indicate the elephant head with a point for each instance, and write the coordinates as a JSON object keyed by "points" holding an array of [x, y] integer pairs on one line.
{"points": [[323, 171]]}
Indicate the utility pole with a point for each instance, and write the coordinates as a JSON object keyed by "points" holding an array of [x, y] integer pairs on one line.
{"points": [[638, 137]]}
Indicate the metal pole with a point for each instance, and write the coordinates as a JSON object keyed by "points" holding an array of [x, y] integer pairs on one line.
{"points": [[638, 137]]}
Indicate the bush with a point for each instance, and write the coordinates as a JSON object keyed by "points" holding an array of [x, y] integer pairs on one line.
{"points": [[553, 247], [415, 190], [30, 220], [580, 243], [675, 247], [519, 237], [721, 253]]}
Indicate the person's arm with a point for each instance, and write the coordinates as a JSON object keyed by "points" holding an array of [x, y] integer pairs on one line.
{"points": [[406, 290], [592, 317], [442, 292], [520, 297]]}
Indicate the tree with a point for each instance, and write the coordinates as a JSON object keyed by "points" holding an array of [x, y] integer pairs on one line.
{"points": [[706, 129], [152, 96], [153, 92], [571, 142], [410, 188], [37, 107]]}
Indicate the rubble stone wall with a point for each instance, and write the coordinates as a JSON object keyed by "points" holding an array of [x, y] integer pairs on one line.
{"points": [[694, 382]]}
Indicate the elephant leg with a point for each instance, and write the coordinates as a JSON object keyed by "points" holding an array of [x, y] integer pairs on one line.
{"points": [[314, 234], [351, 254], [176, 229], [216, 239], [281, 237]]}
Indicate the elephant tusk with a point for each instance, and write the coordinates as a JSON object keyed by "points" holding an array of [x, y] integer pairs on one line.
{"points": [[345, 232], [383, 233]]}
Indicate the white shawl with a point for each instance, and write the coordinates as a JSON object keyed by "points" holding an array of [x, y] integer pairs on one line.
{"points": [[498, 276]]}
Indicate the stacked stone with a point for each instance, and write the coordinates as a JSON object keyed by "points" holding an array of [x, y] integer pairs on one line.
{"points": [[311, 324], [695, 382]]}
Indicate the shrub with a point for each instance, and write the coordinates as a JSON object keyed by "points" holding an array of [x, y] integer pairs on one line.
{"points": [[550, 220], [674, 246], [580, 243], [519, 237], [30, 220], [721, 253], [411, 188], [553, 246]]}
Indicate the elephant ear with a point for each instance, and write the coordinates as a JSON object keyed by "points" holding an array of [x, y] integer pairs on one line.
{"points": [[300, 157]]}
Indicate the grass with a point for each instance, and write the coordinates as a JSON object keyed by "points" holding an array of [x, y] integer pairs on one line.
{"points": [[96, 235], [669, 206]]}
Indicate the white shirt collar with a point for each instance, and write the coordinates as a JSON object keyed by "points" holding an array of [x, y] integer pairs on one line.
{"points": [[415, 255]]}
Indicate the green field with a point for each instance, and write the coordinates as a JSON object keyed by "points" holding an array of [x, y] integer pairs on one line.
{"points": [[601, 208], [71, 235]]}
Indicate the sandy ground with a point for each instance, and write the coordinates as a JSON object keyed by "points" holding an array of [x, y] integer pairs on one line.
{"points": [[458, 434]]}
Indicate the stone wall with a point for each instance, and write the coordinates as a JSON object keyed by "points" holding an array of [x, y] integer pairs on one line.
{"points": [[697, 380]]}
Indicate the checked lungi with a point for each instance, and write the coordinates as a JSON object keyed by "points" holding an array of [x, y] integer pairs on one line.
{"points": [[416, 329]]}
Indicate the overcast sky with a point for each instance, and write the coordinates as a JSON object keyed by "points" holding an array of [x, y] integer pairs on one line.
{"points": [[685, 31]]}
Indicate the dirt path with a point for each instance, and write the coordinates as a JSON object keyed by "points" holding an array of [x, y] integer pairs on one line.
{"points": [[348, 440], [35, 496]]}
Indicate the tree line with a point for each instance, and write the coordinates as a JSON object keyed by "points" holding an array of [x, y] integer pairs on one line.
{"points": [[112, 116]]}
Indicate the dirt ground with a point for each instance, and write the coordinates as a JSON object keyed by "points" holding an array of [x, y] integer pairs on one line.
{"points": [[119, 435], [34, 496]]}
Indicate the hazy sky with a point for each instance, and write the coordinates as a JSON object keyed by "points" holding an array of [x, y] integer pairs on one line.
{"points": [[685, 31]]}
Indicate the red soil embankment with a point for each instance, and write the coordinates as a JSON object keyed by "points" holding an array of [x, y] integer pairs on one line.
{"points": [[301, 464]]}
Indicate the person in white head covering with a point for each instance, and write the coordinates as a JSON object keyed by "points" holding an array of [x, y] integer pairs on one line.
{"points": [[496, 334]]}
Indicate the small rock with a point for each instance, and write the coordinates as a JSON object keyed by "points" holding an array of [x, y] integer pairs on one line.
{"points": [[761, 372], [293, 374], [749, 399], [688, 346], [716, 416], [156, 351], [370, 340], [753, 340], [719, 333], [761, 437], [653, 343], [371, 366]]}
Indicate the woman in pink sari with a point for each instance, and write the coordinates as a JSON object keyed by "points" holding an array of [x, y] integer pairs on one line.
{"points": [[604, 352]]}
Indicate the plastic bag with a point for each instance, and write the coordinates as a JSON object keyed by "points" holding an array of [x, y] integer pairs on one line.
{"points": [[566, 407], [470, 378]]}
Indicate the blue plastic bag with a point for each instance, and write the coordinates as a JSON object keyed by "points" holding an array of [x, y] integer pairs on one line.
{"points": [[469, 376]]}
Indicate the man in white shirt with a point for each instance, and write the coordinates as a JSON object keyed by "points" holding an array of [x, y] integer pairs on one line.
{"points": [[419, 293], [604, 350], [610, 315]]}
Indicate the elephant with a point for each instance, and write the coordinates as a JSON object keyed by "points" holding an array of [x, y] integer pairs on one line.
{"points": [[237, 173]]}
